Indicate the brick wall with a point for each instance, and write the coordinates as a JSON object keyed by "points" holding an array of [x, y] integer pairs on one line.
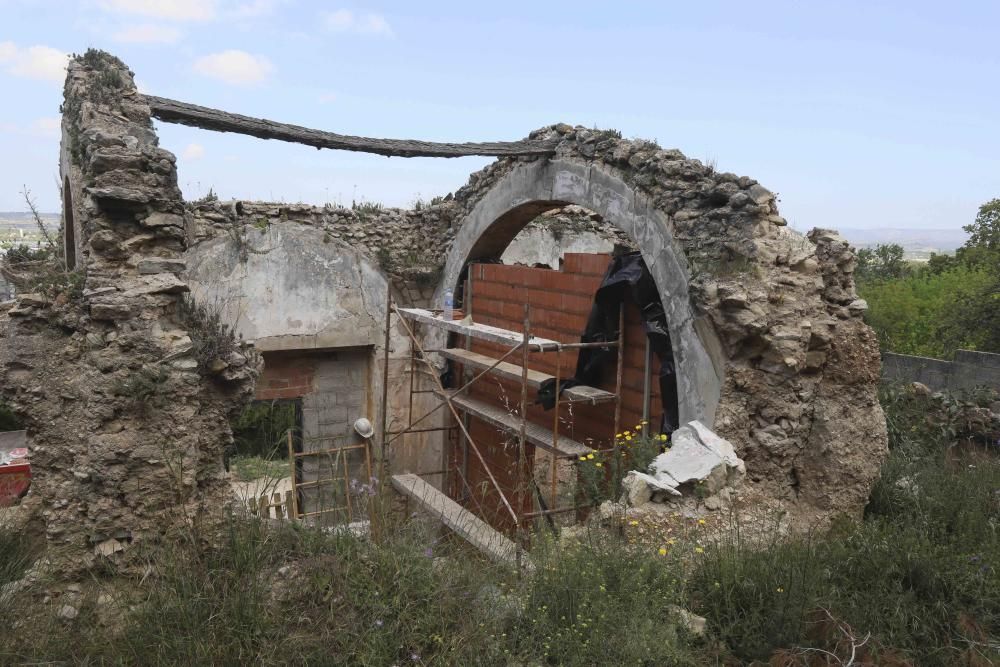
{"points": [[286, 375], [559, 304]]}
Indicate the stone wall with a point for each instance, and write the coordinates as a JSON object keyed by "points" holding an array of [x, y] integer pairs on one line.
{"points": [[767, 329], [968, 370], [127, 425]]}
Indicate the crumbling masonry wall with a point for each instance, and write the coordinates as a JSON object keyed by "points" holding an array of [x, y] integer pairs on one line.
{"points": [[126, 426], [767, 328], [128, 422]]}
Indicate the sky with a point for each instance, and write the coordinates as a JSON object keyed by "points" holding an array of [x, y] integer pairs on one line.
{"points": [[872, 114]]}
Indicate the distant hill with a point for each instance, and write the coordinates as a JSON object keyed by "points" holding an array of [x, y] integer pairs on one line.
{"points": [[918, 244], [19, 218]]}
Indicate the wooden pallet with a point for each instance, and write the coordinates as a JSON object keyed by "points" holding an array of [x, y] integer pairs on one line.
{"points": [[464, 523]]}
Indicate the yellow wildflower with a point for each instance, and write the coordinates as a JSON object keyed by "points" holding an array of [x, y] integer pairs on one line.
{"points": [[598, 464], [780, 589], [663, 437], [699, 550], [633, 522], [590, 456], [618, 435], [663, 551], [701, 522], [628, 437], [583, 458]]}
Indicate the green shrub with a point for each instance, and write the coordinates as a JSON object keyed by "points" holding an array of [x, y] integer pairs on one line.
{"points": [[915, 314], [757, 587], [8, 420], [600, 474], [262, 428]]}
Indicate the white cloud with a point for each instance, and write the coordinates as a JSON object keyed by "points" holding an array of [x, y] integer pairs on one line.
{"points": [[255, 8], [235, 67], [148, 33], [344, 20], [173, 10], [49, 126], [193, 152], [34, 62]]}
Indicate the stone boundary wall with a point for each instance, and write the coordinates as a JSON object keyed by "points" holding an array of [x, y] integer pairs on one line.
{"points": [[968, 370]]}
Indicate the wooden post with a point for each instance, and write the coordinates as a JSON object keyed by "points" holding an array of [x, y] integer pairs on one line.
{"points": [[618, 391], [647, 381], [553, 461], [522, 435], [294, 506]]}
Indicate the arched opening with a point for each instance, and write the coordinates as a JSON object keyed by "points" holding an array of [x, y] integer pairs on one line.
{"points": [[69, 228], [531, 189], [562, 304]]}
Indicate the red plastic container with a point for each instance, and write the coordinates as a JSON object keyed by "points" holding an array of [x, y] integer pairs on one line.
{"points": [[14, 482]]}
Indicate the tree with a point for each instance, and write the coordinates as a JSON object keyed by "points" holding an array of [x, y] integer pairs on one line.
{"points": [[883, 262], [985, 231]]}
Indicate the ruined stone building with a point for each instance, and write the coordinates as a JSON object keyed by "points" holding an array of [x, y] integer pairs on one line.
{"points": [[127, 392]]}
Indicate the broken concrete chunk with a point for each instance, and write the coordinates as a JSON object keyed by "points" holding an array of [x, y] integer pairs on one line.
{"points": [[108, 547], [690, 621], [697, 455], [68, 612], [640, 487]]}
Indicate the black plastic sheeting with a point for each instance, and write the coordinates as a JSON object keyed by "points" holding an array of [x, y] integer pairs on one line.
{"points": [[627, 278]]}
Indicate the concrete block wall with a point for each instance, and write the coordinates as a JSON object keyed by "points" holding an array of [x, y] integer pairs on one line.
{"points": [[968, 370], [333, 386]]}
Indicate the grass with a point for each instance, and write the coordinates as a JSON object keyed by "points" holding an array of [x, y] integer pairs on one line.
{"points": [[914, 583], [250, 468]]}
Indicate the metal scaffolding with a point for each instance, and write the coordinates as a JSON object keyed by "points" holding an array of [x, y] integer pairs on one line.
{"points": [[461, 406]]}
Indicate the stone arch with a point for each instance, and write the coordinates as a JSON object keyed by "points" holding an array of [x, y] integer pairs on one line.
{"points": [[69, 226], [531, 188]]}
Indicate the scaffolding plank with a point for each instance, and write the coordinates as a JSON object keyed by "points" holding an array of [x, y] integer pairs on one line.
{"points": [[509, 371], [535, 434], [480, 331], [463, 522]]}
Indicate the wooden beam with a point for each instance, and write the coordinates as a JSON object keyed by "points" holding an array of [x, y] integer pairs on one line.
{"points": [[479, 533], [172, 111]]}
